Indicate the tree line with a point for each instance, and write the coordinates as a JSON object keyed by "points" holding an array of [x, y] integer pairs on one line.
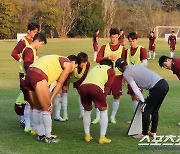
{"points": [[80, 18]]}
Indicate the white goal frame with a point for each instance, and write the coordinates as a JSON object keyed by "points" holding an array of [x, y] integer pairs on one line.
{"points": [[156, 29]]}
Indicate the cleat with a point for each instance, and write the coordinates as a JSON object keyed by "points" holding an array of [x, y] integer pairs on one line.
{"points": [[54, 136], [65, 117], [81, 117], [151, 134], [104, 140], [51, 140], [113, 120], [178, 124], [22, 124], [59, 119], [27, 130], [88, 138], [33, 132], [41, 138], [95, 121], [138, 136]]}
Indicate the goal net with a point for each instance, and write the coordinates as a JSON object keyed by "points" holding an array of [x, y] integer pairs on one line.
{"points": [[165, 31]]}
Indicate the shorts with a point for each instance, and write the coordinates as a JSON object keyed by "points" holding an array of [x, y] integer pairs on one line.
{"points": [[152, 47], [116, 87], [131, 92], [19, 109], [92, 92], [33, 76], [172, 46], [95, 46]]}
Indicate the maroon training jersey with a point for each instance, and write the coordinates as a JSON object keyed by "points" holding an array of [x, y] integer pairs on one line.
{"points": [[176, 67], [152, 40], [95, 38], [172, 39], [121, 39], [19, 48]]}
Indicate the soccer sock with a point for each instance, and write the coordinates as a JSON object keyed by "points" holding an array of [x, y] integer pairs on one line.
{"points": [[57, 105], [33, 126], [154, 54], [64, 104], [80, 106], [134, 104], [103, 123], [22, 119], [87, 122], [97, 113], [47, 122], [115, 107], [27, 110], [171, 54], [38, 122], [149, 54], [95, 55]]}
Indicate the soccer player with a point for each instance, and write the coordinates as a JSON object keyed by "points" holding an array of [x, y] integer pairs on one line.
{"points": [[95, 88], [40, 75], [172, 43], [29, 56], [77, 77], [152, 45], [95, 43], [122, 37], [112, 51], [155, 84], [32, 29], [171, 64], [136, 55]]}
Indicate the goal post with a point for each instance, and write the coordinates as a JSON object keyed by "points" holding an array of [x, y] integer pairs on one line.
{"points": [[160, 31]]}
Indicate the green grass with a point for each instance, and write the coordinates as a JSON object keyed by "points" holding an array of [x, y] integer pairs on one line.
{"points": [[14, 140]]}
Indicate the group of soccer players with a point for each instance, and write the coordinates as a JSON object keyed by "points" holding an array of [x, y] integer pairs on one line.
{"points": [[53, 73]]}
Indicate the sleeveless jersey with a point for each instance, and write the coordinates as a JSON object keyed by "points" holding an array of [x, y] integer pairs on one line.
{"points": [[116, 53]]}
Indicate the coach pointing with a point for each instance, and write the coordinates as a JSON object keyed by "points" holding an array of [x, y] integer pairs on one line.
{"points": [[137, 75]]}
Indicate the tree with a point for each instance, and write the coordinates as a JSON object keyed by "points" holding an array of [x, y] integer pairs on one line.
{"points": [[9, 15], [90, 18], [170, 5], [109, 10], [69, 12], [47, 16]]}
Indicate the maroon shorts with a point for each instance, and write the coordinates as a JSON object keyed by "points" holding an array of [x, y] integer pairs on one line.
{"points": [[172, 46], [91, 92], [19, 109], [116, 87], [95, 46], [131, 92], [152, 47], [33, 76]]}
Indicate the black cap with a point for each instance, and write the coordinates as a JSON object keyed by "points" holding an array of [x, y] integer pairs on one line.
{"points": [[120, 62]]}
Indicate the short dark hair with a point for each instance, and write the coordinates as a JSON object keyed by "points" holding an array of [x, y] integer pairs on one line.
{"points": [[82, 57], [120, 63], [172, 31], [162, 59], [96, 30], [133, 36], [106, 62], [121, 30], [73, 58], [33, 26], [152, 32], [40, 37], [114, 31]]}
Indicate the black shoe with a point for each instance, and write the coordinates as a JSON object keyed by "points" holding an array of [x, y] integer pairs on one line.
{"points": [[41, 138], [22, 124]]}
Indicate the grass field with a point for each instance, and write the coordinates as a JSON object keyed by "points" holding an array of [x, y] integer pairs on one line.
{"points": [[14, 140]]}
